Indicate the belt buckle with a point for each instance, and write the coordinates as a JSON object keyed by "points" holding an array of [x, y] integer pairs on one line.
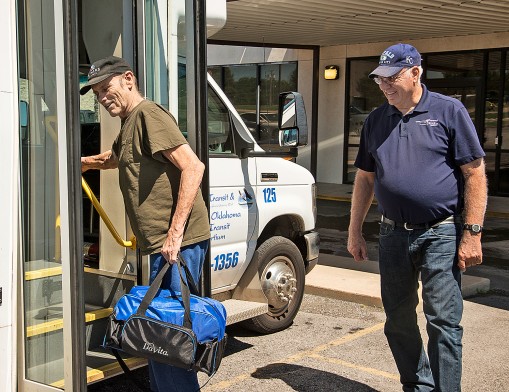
{"points": [[407, 228]]}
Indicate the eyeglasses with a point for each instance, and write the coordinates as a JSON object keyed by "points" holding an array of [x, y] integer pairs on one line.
{"points": [[391, 79]]}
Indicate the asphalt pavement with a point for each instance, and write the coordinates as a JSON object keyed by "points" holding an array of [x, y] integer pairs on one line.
{"points": [[336, 342], [339, 346]]}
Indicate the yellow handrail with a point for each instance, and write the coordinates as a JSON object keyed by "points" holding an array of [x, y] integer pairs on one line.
{"points": [[127, 244]]}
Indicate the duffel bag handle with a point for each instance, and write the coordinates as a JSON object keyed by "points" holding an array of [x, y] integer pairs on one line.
{"points": [[156, 285], [190, 280]]}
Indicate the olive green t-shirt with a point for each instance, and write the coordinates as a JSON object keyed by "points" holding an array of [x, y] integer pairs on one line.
{"points": [[149, 182]]}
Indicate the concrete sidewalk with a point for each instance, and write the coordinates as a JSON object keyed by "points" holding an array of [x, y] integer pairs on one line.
{"points": [[342, 278]]}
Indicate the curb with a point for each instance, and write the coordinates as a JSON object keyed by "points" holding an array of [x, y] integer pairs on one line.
{"points": [[364, 287]]}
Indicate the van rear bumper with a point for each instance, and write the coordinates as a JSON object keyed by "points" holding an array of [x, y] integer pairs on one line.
{"points": [[313, 249]]}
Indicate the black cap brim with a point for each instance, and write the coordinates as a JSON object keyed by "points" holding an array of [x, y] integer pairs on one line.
{"points": [[87, 86]]}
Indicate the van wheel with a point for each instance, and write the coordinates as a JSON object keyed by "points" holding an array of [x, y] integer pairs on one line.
{"points": [[282, 274]]}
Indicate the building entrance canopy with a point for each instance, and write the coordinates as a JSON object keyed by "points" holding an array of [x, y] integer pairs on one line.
{"points": [[339, 22]]}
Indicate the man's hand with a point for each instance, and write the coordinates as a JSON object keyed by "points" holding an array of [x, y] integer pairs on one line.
{"points": [[105, 160], [476, 197], [357, 247], [171, 247], [362, 197], [470, 250]]}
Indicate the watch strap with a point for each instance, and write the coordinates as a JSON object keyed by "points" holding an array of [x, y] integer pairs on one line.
{"points": [[474, 228]]}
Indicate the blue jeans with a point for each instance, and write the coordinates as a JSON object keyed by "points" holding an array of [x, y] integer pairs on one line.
{"points": [[166, 378], [434, 254]]}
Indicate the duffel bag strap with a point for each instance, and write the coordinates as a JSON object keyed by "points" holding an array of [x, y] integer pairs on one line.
{"points": [[190, 280], [156, 285], [128, 372], [186, 295]]}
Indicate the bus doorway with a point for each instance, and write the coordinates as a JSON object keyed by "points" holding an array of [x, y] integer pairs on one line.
{"points": [[60, 324]]}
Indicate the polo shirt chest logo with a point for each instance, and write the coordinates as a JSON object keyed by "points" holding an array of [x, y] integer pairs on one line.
{"points": [[427, 123]]}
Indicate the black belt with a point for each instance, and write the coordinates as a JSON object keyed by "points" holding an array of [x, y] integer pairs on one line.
{"points": [[421, 226]]}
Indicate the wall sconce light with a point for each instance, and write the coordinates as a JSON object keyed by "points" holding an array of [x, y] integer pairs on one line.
{"points": [[331, 72]]}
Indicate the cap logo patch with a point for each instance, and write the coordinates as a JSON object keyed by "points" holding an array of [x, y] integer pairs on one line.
{"points": [[409, 60], [93, 71], [386, 57]]}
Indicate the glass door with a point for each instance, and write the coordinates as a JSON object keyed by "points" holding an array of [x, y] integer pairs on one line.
{"points": [[41, 256], [480, 80], [498, 101], [48, 348], [503, 146], [468, 92]]}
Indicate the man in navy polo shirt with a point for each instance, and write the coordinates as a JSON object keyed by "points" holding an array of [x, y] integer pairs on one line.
{"points": [[420, 155]]}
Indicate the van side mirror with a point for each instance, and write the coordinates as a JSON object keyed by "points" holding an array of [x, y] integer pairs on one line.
{"points": [[292, 121]]}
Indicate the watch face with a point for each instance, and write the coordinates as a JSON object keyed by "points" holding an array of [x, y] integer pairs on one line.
{"points": [[476, 228]]}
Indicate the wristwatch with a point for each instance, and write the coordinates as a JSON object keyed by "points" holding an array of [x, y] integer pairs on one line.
{"points": [[474, 228]]}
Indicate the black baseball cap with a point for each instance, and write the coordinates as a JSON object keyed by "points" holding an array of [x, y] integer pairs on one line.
{"points": [[103, 69], [395, 58]]}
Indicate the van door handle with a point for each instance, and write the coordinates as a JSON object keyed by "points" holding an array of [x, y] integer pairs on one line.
{"points": [[269, 177]]}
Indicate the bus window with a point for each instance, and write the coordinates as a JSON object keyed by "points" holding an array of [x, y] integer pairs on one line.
{"points": [[219, 126]]}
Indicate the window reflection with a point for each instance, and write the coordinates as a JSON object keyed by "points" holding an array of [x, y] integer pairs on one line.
{"points": [[241, 84], [365, 95], [219, 126], [455, 65], [504, 134]]}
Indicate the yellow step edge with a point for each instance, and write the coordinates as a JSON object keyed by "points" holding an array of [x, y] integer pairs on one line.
{"points": [[43, 273], [110, 274], [107, 371], [54, 271], [54, 325]]}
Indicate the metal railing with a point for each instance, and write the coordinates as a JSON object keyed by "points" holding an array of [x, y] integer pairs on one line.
{"points": [[127, 244]]}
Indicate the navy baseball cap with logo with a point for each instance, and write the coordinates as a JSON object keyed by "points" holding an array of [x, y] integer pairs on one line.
{"points": [[103, 69], [395, 58]]}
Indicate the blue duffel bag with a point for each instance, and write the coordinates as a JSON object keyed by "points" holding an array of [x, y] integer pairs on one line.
{"points": [[178, 329]]}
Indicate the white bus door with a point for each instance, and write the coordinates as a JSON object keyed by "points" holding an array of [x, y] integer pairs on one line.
{"points": [[50, 317]]}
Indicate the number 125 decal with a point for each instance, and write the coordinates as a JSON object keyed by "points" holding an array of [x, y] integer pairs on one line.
{"points": [[269, 195], [225, 261]]}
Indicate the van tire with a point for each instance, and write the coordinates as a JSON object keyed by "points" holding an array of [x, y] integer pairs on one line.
{"points": [[282, 277]]}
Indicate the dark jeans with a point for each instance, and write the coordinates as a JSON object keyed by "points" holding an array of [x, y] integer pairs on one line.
{"points": [[432, 253], [166, 378]]}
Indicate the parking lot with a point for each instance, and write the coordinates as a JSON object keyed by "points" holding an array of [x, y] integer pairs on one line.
{"points": [[335, 345], [339, 346]]}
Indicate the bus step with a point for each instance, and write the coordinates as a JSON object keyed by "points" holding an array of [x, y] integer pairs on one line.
{"points": [[57, 322], [237, 310], [101, 365], [44, 339]]}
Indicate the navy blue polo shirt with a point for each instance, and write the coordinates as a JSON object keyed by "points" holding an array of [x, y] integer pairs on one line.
{"points": [[416, 157]]}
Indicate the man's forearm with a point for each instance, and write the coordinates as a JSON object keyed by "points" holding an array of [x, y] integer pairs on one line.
{"points": [[476, 191], [105, 160], [362, 197], [190, 181]]}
